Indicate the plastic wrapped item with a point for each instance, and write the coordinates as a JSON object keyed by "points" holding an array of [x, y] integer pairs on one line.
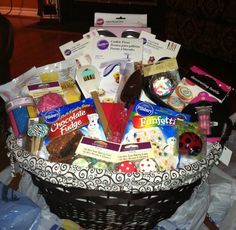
{"points": [[20, 109], [48, 220], [223, 196], [50, 101], [18, 86], [229, 221], [216, 198], [191, 214], [63, 72], [231, 144], [45, 219], [17, 211]]}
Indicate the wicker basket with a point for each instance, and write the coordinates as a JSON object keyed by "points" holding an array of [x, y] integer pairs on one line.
{"points": [[100, 199]]}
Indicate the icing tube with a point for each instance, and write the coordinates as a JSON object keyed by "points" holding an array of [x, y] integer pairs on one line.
{"points": [[13, 124], [21, 117]]}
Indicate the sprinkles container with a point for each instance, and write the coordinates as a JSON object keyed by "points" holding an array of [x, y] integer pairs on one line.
{"points": [[19, 110]]}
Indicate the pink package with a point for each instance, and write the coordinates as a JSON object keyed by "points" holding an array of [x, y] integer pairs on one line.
{"points": [[50, 101], [213, 86]]}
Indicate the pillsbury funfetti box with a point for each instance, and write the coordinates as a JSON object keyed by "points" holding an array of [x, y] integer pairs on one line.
{"points": [[149, 122]]}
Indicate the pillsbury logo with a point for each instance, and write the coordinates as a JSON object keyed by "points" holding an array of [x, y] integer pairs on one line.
{"points": [[51, 116], [102, 44], [144, 109]]}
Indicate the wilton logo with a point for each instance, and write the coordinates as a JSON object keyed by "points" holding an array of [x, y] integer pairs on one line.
{"points": [[144, 109], [144, 41], [100, 21], [67, 52], [102, 44]]}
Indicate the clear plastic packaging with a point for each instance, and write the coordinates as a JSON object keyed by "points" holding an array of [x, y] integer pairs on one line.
{"points": [[19, 110]]}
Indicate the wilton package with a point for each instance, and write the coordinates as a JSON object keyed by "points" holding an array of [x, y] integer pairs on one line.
{"points": [[111, 153], [116, 59], [126, 158], [63, 72], [121, 32], [155, 50], [72, 50], [112, 19], [161, 79]]}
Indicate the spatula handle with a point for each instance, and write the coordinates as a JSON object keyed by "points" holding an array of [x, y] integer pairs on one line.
{"points": [[101, 114]]}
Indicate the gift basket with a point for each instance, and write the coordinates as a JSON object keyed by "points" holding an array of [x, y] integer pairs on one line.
{"points": [[97, 198], [104, 135]]}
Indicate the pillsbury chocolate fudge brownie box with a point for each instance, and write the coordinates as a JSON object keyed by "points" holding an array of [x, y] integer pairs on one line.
{"points": [[80, 115]]}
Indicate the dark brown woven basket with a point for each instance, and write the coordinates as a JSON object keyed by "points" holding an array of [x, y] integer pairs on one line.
{"points": [[94, 209], [101, 199]]}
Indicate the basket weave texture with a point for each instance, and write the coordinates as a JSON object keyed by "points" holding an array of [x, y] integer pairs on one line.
{"points": [[101, 199]]}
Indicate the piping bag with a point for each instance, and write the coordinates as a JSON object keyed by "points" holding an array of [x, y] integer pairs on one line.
{"points": [[111, 85], [88, 77], [130, 93]]}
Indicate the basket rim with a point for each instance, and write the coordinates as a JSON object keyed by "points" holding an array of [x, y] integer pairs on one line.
{"points": [[98, 179]]}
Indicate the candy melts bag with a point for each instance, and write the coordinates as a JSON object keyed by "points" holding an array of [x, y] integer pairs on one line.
{"points": [[18, 86], [58, 71], [63, 72]]}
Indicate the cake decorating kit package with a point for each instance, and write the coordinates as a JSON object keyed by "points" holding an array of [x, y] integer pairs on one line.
{"points": [[120, 25], [80, 126]]}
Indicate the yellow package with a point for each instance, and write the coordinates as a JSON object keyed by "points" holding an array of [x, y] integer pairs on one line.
{"points": [[70, 91]]}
